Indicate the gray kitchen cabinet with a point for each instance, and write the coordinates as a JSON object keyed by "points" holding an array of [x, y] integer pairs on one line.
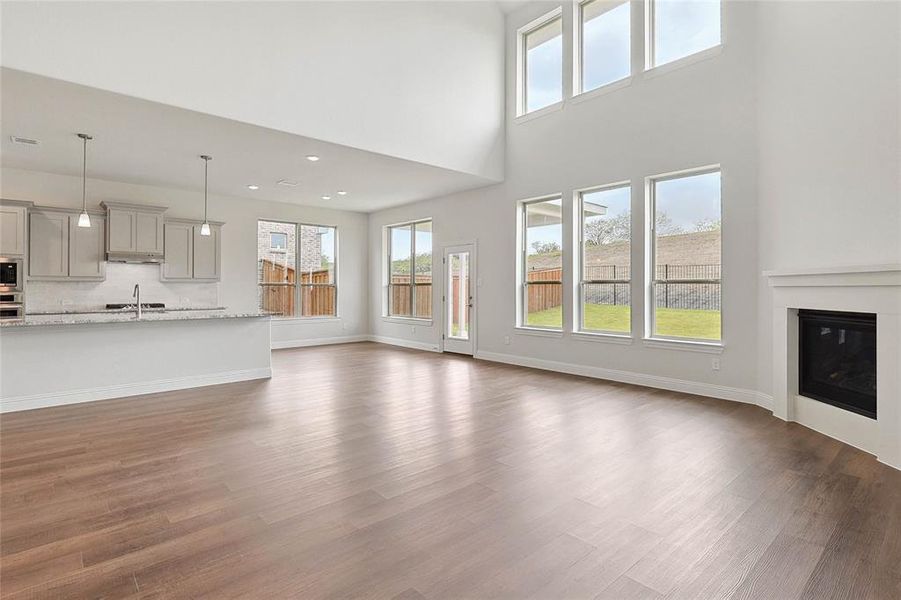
{"points": [[87, 256], [178, 241], [58, 249], [48, 249], [190, 256], [12, 230], [134, 230], [207, 254], [122, 229]]}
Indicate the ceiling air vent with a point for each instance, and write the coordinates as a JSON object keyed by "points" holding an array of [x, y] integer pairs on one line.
{"points": [[23, 141], [287, 182]]}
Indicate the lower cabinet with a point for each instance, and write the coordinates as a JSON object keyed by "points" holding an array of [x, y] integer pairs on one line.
{"points": [[58, 249], [190, 256]]}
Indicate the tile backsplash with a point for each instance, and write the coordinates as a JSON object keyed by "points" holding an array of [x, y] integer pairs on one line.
{"points": [[118, 287]]}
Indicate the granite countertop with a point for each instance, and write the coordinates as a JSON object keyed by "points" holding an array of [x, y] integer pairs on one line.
{"points": [[114, 311], [36, 320]]}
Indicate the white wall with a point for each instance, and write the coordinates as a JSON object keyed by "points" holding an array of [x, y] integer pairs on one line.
{"points": [[699, 114], [417, 80], [829, 131], [237, 289]]}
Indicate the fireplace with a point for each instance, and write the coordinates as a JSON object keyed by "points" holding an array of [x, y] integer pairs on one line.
{"points": [[837, 359]]}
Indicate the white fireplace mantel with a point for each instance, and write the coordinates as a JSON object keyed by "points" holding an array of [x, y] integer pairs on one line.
{"points": [[865, 289], [849, 276]]}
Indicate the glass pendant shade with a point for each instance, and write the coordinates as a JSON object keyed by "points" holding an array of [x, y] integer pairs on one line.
{"points": [[84, 220], [205, 229]]}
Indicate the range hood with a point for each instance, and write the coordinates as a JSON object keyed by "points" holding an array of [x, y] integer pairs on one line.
{"points": [[122, 257]]}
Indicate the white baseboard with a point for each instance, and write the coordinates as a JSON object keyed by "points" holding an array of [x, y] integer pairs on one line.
{"points": [[655, 381], [764, 401], [18, 403], [346, 339], [403, 343]]}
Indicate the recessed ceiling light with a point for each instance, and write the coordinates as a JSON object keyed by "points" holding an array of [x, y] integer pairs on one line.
{"points": [[253, 187], [286, 182], [312, 157], [342, 193], [326, 197]]}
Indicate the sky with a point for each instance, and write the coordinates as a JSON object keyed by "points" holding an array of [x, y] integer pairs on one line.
{"points": [[683, 27], [606, 56]]}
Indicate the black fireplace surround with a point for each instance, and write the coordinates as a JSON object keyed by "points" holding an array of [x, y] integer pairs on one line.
{"points": [[837, 359]]}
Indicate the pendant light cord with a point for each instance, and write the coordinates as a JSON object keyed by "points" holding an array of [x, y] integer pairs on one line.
{"points": [[84, 175]]}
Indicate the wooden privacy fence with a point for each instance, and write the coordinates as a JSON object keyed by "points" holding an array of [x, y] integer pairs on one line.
{"points": [[277, 285], [546, 295], [401, 300]]}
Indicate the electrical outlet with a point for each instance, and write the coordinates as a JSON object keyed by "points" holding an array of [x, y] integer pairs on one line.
{"points": [[715, 364], [479, 282], [506, 340], [413, 329]]}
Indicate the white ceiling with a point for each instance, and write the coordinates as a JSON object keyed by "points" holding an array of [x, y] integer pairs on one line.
{"points": [[137, 141]]}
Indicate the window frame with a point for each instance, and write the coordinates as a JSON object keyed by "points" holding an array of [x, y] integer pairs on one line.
{"points": [[298, 286], [579, 323], [578, 66], [522, 84], [650, 45], [386, 313], [651, 261], [522, 268]]}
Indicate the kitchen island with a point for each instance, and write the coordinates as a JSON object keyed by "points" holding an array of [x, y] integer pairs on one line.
{"points": [[54, 359]]}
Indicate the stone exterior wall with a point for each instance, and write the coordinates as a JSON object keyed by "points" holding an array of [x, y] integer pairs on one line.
{"points": [[310, 245]]}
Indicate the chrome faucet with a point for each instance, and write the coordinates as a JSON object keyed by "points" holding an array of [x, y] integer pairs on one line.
{"points": [[137, 295]]}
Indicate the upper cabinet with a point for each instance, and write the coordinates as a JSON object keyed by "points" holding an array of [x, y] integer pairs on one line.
{"points": [[12, 230], [58, 249], [189, 255], [134, 230]]}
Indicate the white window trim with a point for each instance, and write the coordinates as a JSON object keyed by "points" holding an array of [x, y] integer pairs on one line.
{"points": [[650, 50], [521, 237], [521, 86], [578, 213], [386, 273], [609, 338], [298, 287], [659, 341], [578, 91]]}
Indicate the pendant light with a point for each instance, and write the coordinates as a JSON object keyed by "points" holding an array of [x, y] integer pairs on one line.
{"points": [[205, 228], [83, 219]]}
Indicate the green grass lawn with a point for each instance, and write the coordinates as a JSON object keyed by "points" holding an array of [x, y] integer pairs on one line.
{"points": [[678, 322]]}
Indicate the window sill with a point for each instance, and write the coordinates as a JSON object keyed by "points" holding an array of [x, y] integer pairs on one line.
{"points": [[538, 332], [550, 108], [688, 345], [601, 91], [304, 319], [609, 338], [408, 321], [685, 61]]}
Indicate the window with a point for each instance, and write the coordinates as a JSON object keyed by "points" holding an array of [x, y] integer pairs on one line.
{"points": [[410, 270], [606, 265], [318, 260], [605, 46], [685, 270], [278, 242], [679, 28], [542, 264], [541, 58], [297, 278]]}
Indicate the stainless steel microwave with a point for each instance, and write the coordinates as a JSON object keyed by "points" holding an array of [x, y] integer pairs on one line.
{"points": [[12, 275]]}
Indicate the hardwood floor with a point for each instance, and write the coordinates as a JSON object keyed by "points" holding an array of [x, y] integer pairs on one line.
{"points": [[370, 471]]}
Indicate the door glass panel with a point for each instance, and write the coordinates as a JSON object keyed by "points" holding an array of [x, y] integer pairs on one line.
{"points": [[459, 297]]}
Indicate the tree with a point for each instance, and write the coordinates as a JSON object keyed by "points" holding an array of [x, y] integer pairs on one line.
{"points": [[618, 228], [708, 225], [545, 247]]}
